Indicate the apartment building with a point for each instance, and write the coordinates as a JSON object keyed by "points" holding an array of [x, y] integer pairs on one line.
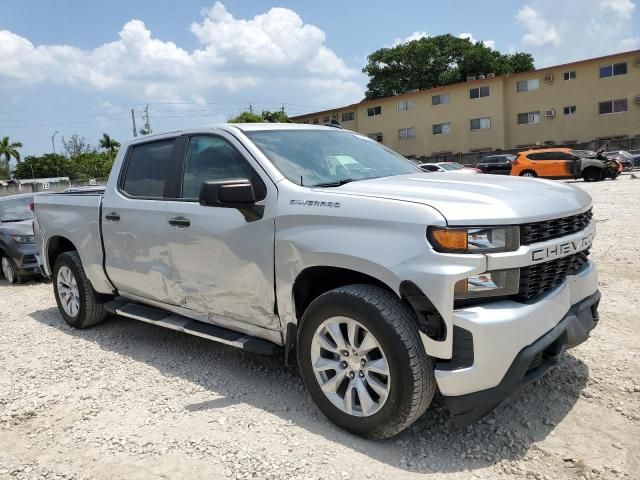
{"points": [[573, 103]]}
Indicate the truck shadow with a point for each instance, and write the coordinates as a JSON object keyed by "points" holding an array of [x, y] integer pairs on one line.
{"points": [[431, 445]]}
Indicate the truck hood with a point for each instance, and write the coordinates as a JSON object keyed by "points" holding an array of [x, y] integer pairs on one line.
{"points": [[478, 199], [24, 227]]}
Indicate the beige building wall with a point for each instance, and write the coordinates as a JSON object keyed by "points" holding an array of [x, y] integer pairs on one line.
{"points": [[502, 106]]}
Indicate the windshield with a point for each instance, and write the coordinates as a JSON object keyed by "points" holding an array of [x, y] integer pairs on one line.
{"points": [[451, 166], [328, 158], [16, 209]]}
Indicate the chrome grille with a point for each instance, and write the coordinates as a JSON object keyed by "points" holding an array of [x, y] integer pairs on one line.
{"points": [[556, 228]]}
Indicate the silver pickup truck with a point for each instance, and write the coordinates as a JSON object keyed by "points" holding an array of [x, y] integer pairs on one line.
{"points": [[383, 281]]}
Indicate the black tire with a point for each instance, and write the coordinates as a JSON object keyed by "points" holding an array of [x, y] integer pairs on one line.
{"points": [[15, 276], [393, 324], [91, 311], [529, 174], [592, 174]]}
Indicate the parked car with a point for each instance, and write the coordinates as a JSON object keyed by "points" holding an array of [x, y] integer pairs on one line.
{"points": [[17, 246], [625, 158], [496, 164], [387, 283], [559, 163], [451, 167]]}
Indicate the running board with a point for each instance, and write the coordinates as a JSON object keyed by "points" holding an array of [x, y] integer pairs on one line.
{"points": [[187, 325]]}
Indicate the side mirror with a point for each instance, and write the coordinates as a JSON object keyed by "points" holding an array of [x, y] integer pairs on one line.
{"points": [[235, 193]]}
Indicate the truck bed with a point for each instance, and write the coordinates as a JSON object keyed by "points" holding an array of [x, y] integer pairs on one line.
{"points": [[76, 217]]}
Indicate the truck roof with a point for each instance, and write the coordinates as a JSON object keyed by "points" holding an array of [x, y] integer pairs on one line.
{"points": [[245, 127]]}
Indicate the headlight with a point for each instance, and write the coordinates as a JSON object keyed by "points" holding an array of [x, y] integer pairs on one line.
{"points": [[489, 284], [24, 238], [474, 239]]}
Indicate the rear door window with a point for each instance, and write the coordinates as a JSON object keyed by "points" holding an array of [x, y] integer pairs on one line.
{"points": [[152, 171]]}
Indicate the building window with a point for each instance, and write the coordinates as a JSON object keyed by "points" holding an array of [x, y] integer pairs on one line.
{"points": [[569, 110], [479, 92], [373, 111], [528, 118], [613, 70], [316, 121], [348, 116], [441, 99], [405, 105], [442, 129], [613, 106], [570, 75], [406, 133], [481, 123], [375, 136], [527, 85]]}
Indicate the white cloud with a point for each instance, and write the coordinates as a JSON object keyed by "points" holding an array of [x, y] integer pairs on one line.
{"points": [[539, 31], [558, 32], [625, 8], [410, 38], [487, 43], [273, 49]]}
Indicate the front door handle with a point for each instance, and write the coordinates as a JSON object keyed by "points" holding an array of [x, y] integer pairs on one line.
{"points": [[180, 222], [112, 217]]}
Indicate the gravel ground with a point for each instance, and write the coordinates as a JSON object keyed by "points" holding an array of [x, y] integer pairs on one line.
{"points": [[130, 400]]}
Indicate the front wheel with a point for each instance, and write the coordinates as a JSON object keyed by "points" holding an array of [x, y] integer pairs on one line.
{"points": [[9, 270], [79, 304], [529, 174], [362, 360], [592, 175]]}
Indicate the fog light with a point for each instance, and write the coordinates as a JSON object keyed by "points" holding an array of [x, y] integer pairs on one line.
{"points": [[498, 283]]}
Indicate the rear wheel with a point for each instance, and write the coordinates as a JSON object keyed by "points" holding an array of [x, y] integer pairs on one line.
{"points": [[529, 174], [363, 362], [592, 174], [9, 270], [79, 304]]}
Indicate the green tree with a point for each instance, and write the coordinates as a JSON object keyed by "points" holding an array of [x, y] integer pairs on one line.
{"points": [[76, 146], [44, 166], [267, 116], [247, 117], [9, 150], [92, 165], [435, 61], [109, 144]]}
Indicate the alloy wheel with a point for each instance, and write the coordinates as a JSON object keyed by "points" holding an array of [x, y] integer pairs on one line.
{"points": [[7, 270], [68, 291], [350, 366]]}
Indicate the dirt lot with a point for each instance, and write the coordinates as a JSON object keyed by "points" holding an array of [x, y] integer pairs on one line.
{"points": [[130, 400]]}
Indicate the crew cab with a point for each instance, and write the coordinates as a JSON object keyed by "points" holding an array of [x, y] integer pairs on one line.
{"points": [[381, 281]]}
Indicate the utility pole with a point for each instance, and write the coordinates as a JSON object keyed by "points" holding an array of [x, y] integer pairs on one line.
{"points": [[282, 109], [53, 143], [147, 121], [250, 108], [133, 120]]}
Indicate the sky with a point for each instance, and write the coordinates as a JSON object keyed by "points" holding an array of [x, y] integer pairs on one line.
{"points": [[79, 67]]}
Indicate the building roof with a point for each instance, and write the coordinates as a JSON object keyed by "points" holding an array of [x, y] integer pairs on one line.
{"points": [[453, 85]]}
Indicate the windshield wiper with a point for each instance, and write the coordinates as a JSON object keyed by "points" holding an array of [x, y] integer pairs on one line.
{"points": [[11, 220], [337, 183]]}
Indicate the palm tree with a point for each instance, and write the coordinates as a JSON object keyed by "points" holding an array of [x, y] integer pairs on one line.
{"points": [[8, 150], [109, 143]]}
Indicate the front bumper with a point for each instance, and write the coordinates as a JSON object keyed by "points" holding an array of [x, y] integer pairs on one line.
{"points": [[26, 258], [489, 338], [531, 363]]}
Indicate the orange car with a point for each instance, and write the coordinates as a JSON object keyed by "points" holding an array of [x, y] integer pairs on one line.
{"points": [[562, 163]]}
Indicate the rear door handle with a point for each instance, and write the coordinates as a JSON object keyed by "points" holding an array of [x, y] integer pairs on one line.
{"points": [[112, 217], [180, 222]]}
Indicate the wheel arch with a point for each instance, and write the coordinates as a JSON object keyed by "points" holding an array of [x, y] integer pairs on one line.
{"points": [[56, 246]]}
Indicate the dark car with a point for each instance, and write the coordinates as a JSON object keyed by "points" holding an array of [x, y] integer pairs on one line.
{"points": [[627, 159], [17, 248], [497, 164]]}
